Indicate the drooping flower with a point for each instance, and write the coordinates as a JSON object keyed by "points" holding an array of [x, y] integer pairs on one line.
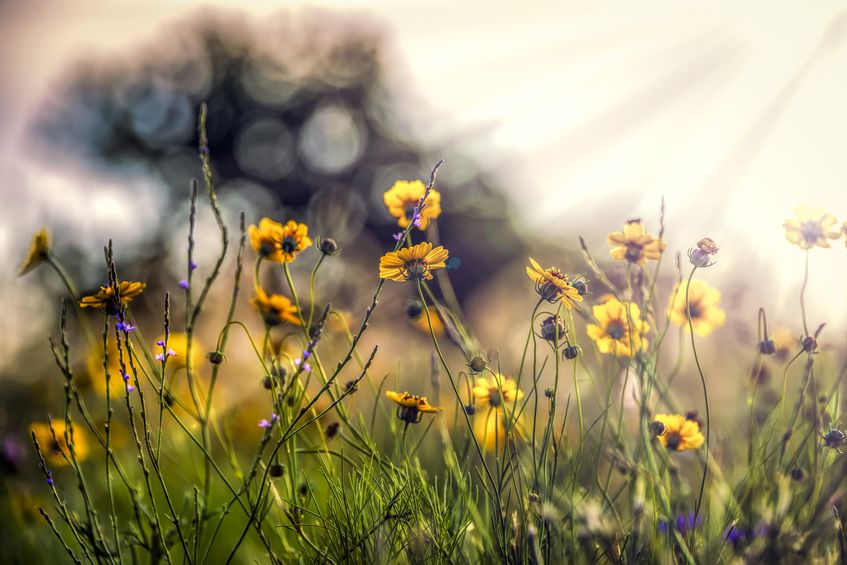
{"points": [[612, 333], [703, 302], [553, 285], [277, 242], [410, 407], [39, 249], [55, 449], [678, 433], [403, 202], [412, 263], [496, 390], [634, 244], [275, 308], [105, 299], [810, 227]]}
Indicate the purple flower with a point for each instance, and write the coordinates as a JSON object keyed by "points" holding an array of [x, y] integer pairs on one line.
{"points": [[125, 326], [192, 265], [171, 352], [160, 357], [183, 284], [50, 478], [130, 388], [398, 236], [304, 365], [734, 536], [265, 423], [124, 375], [161, 342], [683, 523]]}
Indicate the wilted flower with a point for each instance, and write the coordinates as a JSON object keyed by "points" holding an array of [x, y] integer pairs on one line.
{"points": [[55, 448], [410, 407], [412, 263], [496, 390], [810, 227], [634, 244], [680, 433], [612, 332], [553, 285], [571, 352], [403, 202], [275, 308], [703, 255], [834, 438], [105, 299], [703, 302], [39, 249], [477, 364]]}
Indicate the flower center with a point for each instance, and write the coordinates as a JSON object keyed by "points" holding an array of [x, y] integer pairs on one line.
{"points": [[289, 244], [266, 248], [494, 398], [615, 330], [633, 252], [694, 310], [811, 231], [672, 440], [409, 414], [415, 269]]}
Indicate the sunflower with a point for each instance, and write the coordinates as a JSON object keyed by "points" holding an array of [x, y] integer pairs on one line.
{"points": [[412, 263], [703, 302], [105, 299], [496, 390], [677, 433], [810, 227], [39, 248], [277, 242], [55, 449], [612, 332], [410, 407], [634, 244], [275, 308], [495, 428], [553, 285], [402, 199]]}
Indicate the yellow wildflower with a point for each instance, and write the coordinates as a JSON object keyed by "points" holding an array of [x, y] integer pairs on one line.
{"points": [[105, 299], [703, 302], [553, 285], [410, 407], [412, 263], [677, 433], [277, 242], [496, 390], [275, 308], [634, 244], [494, 430], [810, 227], [420, 322], [612, 332], [39, 248], [55, 449], [402, 199]]}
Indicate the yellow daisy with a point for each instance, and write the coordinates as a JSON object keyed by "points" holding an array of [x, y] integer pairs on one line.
{"points": [[55, 449], [421, 322], [634, 244], [496, 390], [553, 285], [275, 308], [612, 332], [410, 407], [402, 199], [105, 299], [38, 251], [277, 242], [412, 263], [677, 433], [810, 227], [494, 429], [703, 300]]}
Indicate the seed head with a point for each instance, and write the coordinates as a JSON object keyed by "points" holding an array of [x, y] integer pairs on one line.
{"points": [[328, 246], [215, 357]]}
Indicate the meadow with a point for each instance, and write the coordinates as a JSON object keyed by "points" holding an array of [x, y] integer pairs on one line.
{"points": [[578, 450]]}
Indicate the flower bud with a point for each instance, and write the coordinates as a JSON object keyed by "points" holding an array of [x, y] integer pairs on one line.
{"points": [[767, 347], [656, 428], [328, 246], [276, 470], [477, 364], [414, 309], [267, 382], [810, 344], [332, 430], [572, 352], [553, 329], [215, 357]]}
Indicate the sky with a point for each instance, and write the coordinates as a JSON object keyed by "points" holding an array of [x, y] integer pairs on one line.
{"points": [[591, 113]]}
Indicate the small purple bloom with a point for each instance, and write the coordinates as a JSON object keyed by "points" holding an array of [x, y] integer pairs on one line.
{"points": [[265, 423], [160, 357], [734, 536], [130, 388], [306, 354], [171, 352], [50, 478], [124, 375], [399, 235], [125, 326], [161, 342], [183, 284], [304, 365], [192, 265]]}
